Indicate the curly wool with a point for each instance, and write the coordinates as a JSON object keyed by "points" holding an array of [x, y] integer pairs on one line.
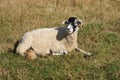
{"points": [[42, 40]]}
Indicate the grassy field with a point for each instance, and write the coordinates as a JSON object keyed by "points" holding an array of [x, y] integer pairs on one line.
{"points": [[100, 35]]}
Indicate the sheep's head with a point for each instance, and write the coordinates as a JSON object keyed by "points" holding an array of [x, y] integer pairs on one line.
{"points": [[72, 24]]}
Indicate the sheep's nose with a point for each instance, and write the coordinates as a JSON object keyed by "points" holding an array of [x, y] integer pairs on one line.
{"points": [[68, 29]]}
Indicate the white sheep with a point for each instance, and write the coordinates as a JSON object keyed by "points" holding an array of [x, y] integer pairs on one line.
{"points": [[55, 41]]}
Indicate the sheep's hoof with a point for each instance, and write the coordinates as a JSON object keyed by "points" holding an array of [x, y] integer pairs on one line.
{"points": [[89, 54], [65, 52], [62, 52], [86, 56]]}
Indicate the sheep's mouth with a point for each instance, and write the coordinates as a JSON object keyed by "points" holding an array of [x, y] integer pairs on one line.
{"points": [[69, 31]]}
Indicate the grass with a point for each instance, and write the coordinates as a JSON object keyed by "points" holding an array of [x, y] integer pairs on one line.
{"points": [[100, 35]]}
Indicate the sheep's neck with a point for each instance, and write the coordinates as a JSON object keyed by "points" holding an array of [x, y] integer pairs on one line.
{"points": [[72, 38]]}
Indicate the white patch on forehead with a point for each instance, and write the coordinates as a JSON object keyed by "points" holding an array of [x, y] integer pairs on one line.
{"points": [[70, 26]]}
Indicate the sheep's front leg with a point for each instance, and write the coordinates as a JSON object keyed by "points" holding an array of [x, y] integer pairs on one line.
{"points": [[86, 53], [56, 51], [59, 52]]}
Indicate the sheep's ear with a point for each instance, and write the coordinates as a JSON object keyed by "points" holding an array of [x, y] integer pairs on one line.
{"points": [[79, 22], [65, 22]]}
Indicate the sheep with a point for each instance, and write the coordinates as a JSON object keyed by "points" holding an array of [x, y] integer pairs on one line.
{"points": [[54, 41]]}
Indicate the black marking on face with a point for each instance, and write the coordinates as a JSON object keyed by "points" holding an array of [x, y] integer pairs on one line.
{"points": [[70, 20], [73, 21]]}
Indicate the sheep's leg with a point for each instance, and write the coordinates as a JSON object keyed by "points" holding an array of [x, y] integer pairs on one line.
{"points": [[59, 52], [56, 54], [86, 53], [56, 51]]}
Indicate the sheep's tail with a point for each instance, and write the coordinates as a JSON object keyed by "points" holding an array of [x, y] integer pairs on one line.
{"points": [[15, 46]]}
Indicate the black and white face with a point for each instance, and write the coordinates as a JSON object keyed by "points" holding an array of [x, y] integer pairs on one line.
{"points": [[72, 24]]}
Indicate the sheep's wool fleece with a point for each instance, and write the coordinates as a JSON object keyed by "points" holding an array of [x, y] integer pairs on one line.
{"points": [[42, 40]]}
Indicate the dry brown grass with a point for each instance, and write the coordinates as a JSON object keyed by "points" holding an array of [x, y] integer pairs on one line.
{"points": [[100, 35], [19, 16]]}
